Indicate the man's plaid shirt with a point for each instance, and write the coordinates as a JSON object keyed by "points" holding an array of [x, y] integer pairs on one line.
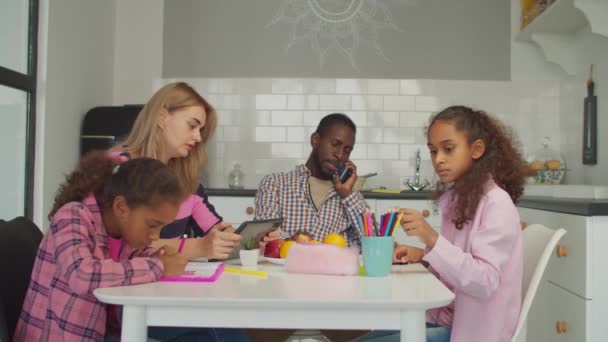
{"points": [[287, 195]]}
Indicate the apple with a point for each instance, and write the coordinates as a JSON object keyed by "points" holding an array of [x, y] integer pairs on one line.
{"points": [[272, 248], [302, 236]]}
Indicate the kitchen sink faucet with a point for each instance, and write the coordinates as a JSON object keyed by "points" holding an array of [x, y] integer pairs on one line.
{"points": [[416, 186]]}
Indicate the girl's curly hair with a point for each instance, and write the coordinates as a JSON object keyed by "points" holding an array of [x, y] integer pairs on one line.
{"points": [[502, 161], [142, 181]]}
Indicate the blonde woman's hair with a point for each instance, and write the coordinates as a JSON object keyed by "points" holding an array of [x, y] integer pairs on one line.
{"points": [[146, 140]]}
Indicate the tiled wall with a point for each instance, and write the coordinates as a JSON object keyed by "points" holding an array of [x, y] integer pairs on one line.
{"points": [[265, 124]]}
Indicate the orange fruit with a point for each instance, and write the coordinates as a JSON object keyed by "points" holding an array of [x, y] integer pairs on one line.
{"points": [[335, 239], [285, 248]]}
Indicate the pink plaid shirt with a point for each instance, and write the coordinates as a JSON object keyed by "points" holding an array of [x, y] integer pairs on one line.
{"points": [[287, 195], [73, 260]]}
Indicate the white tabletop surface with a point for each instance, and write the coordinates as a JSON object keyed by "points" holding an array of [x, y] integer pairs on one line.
{"points": [[410, 286]]}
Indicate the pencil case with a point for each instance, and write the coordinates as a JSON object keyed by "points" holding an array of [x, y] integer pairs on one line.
{"points": [[322, 259]]}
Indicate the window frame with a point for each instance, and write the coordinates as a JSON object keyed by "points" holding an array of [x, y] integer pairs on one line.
{"points": [[27, 83]]}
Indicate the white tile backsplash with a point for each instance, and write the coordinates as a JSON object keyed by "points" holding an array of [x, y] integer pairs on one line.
{"points": [[351, 86], [266, 123], [363, 102], [263, 118], [270, 134], [383, 151], [286, 150], [334, 102], [414, 119], [398, 103], [310, 102], [383, 87], [286, 86], [286, 118], [271, 102]]}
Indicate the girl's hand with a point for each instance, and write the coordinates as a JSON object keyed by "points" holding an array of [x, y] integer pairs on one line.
{"points": [[219, 241], [345, 189], [404, 254], [414, 224], [174, 263], [262, 239]]}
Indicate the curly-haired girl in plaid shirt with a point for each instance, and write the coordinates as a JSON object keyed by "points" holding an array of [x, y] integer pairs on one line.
{"points": [[104, 217]]}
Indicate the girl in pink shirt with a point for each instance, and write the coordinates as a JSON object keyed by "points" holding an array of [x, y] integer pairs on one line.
{"points": [[104, 218], [478, 254]]}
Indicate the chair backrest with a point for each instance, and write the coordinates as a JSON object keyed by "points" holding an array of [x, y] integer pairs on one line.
{"points": [[19, 240], [538, 245]]}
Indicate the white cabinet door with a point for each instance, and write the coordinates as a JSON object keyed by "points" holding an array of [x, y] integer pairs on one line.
{"points": [[234, 210], [557, 315], [434, 216], [572, 270]]}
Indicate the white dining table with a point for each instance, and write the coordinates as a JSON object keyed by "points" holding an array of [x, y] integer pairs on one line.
{"points": [[284, 300]]}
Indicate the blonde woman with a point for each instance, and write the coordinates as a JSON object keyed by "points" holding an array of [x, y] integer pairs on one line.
{"points": [[174, 127]]}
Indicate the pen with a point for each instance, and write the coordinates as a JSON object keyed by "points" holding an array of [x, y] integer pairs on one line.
{"points": [[246, 272], [181, 243]]}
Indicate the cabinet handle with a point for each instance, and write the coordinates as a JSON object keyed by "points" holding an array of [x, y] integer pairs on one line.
{"points": [[249, 210], [561, 327], [426, 213], [562, 251]]}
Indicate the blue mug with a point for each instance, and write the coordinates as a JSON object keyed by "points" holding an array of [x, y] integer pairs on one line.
{"points": [[377, 255]]}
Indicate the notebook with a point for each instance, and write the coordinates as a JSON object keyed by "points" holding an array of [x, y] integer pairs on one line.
{"points": [[202, 272]]}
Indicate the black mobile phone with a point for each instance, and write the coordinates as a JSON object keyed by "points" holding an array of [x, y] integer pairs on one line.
{"points": [[344, 172]]}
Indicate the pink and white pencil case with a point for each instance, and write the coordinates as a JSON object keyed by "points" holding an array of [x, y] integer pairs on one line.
{"points": [[322, 259]]}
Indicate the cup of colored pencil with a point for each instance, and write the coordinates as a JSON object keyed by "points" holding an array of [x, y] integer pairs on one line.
{"points": [[377, 242]]}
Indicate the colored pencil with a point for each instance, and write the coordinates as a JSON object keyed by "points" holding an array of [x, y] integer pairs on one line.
{"points": [[181, 243]]}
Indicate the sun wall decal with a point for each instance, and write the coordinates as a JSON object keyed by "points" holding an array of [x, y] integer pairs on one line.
{"points": [[345, 26]]}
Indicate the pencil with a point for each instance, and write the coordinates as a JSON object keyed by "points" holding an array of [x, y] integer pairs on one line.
{"points": [[181, 243], [397, 223], [376, 227], [246, 272], [390, 223]]}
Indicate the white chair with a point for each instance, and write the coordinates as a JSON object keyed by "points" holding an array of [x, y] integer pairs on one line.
{"points": [[538, 245]]}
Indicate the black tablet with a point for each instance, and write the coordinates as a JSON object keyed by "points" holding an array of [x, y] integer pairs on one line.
{"points": [[251, 229]]}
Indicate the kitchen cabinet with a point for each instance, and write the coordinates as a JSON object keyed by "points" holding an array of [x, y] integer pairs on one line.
{"points": [[554, 30], [572, 301], [235, 210]]}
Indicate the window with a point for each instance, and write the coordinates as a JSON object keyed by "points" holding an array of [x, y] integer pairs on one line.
{"points": [[18, 60]]}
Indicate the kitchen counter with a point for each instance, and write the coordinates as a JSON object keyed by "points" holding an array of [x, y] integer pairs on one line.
{"points": [[576, 206], [406, 195]]}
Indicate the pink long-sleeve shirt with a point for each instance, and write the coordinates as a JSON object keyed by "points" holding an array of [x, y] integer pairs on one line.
{"points": [[482, 265]]}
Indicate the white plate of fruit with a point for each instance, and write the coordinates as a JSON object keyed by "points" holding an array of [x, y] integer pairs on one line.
{"points": [[277, 261], [276, 250]]}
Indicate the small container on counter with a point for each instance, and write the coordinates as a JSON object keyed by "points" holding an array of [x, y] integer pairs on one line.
{"points": [[236, 177], [547, 165]]}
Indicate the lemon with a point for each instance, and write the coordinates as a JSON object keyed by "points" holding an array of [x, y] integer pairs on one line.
{"points": [[335, 239], [285, 248]]}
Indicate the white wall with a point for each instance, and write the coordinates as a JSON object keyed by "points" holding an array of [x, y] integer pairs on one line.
{"points": [[79, 75], [138, 54]]}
